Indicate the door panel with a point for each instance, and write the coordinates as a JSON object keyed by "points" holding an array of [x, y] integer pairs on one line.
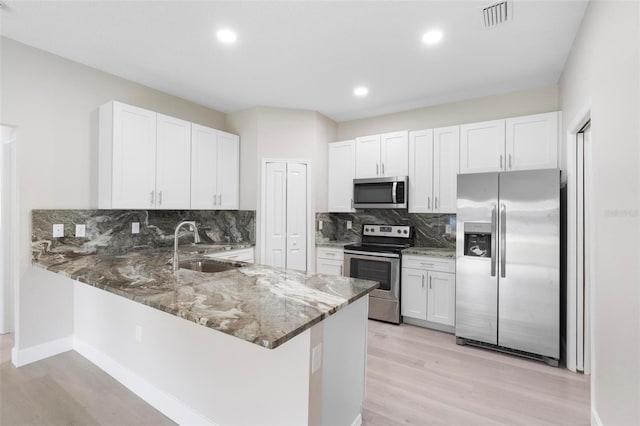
{"points": [[204, 158], [414, 293], [420, 171], [368, 156], [529, 295], [296, 213], [446, 161], [476, 289], [442, 298], [228, 171], [342, 166], [276, 215], [532, 142], [482, 147], [394, 154], [173, 164]]}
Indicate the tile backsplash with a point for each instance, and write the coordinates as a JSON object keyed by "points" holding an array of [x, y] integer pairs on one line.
{"points": [[430, 229], [109, 231]]}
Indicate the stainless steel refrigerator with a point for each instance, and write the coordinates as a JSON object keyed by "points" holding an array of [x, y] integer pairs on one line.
{"points": [[508, 262]]}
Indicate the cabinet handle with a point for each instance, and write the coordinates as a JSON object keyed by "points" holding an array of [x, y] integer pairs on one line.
{"points": [[510, 162], [153, 193], [383, 168], [340, 270], [422, 281], [430, 283], [220, 199], [429, 203], [500, 161], [215, 200], [435, 203], [377, 169], [352, 203], [160, 198]]}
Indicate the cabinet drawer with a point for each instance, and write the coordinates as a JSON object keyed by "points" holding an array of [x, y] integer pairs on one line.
{"points": [[329, 253], [241, 255], [429, 263]]}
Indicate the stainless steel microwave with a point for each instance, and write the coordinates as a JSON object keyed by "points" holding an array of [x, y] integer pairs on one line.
{"points": [[381, 193]]}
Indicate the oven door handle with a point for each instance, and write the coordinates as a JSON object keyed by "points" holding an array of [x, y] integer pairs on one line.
{"points": [[369, 254]]}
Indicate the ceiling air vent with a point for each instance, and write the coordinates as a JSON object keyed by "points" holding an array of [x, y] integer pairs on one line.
{"points": [[497, 13]]}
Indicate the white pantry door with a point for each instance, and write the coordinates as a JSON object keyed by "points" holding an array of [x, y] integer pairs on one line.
{"points": [[285, 213]]}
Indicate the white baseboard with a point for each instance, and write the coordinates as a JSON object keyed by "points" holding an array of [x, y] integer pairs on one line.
{"points": [[357, 421], [167, 404], [595, 418], [45, 350]]}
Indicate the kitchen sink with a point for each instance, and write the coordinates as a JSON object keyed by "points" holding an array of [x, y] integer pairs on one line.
{"points": [[207, 265]]}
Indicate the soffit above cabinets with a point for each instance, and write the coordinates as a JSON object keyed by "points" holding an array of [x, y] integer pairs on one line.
{"points": [[307, 55]]}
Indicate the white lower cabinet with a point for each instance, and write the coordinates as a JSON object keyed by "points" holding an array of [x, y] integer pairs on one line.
{"points": [[240, 255], [329, 261], [428, 290]]}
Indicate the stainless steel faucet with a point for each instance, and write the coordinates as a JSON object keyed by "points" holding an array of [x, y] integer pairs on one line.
{"points": [[196, 239]]}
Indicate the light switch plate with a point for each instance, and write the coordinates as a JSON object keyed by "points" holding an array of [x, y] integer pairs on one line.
{"points": [[447, 229], [58, 230], [349, 224], [320, 225], [135, 227], [80, 230]]}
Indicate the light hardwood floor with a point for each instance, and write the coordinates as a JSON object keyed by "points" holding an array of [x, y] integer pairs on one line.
{"points": [[415, 376]]}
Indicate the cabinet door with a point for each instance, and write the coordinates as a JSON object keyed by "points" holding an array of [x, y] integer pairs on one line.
{"points": [[173, 163], [134, 157], [482, 147], [228, 171], [414, 293], [394, 154], [442, 298], [421, 171], [329, 267], [532, 142], [368, 157], [446, 160], [204, 160], [341, 171]]}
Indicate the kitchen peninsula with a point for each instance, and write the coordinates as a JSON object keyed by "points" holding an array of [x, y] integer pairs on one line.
{"points": [[260, 345]]}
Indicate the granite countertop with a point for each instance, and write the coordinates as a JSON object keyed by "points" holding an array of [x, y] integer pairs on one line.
{"points": [[447, 253], [333, 244], [212, 248], [260, 304]]}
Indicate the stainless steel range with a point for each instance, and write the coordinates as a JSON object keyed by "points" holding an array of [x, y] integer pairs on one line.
{"points": [[377, 258]]}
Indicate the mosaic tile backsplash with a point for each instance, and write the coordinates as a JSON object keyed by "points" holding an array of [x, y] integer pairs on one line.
{"points": [[109, 231], [430, 229]]}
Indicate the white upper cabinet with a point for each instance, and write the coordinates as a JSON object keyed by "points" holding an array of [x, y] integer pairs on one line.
{"points": [[482, 147], [214, 169], [532, 142], [173, 163], [382, 155], [368, 156], [421, 171], [228, 171], [341, 171], [433, 169], [147, 161], [446, 160], [519, 143]]}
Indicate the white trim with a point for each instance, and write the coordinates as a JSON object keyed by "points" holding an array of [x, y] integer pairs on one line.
{"points": [[595, 418], [357, 421], [26, 356], [260, 240], [167, 404]]}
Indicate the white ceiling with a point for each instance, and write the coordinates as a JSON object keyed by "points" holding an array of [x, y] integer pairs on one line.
{"points": [[307, 55]]}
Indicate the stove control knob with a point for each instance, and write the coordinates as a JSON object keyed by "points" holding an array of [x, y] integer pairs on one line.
{"points": [[399, 231], [405, 231]]}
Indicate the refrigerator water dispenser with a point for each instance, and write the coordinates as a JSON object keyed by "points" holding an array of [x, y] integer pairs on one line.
{"points": [[477, 239]]}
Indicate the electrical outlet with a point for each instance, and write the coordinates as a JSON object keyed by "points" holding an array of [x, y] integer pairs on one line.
{"points": [[320, 225], [81, 230], [138, 334], [316, 358], [447, 229], [349, 224], [135, 227], [58, 230]]}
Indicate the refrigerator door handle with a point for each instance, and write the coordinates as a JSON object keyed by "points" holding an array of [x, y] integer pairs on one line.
{"points": [[494, 235], [503, 242]]}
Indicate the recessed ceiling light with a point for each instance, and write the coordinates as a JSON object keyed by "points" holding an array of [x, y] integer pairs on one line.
{"points": [[361, 91], [226, 36], [432, 37]]}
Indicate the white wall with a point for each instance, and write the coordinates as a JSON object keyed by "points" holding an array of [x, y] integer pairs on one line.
{"points": [[544, 99], [603, 73], [53, 102]]}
